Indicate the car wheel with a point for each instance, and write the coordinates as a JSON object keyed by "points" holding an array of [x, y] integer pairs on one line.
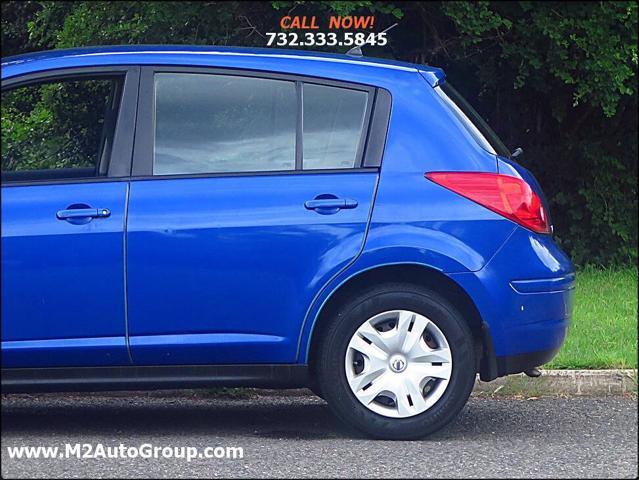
{"points": [[397, 362]]}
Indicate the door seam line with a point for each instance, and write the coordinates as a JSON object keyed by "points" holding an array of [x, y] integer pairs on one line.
{"points": [[127, 339], [306, 318], [126, 292]]}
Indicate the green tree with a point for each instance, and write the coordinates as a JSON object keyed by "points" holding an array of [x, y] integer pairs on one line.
{"points": [[556, 78]]}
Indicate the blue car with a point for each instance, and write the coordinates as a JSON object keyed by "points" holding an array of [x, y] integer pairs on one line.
{"points": [[182, 217]]}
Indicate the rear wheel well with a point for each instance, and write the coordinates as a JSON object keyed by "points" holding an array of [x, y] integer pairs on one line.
{"points": [[417, 275]]}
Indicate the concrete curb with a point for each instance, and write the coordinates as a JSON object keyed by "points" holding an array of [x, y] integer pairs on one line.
{"points": [[562, 382], [551, 383]]}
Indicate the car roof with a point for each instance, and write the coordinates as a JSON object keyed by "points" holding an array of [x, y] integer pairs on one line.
{"points": [[185, 54], [202, 49]]}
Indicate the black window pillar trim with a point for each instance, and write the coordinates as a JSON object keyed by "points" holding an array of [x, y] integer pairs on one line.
{"points": [[299, 129], [144, 126], [361, 145], [378, 129], [123, 138]]}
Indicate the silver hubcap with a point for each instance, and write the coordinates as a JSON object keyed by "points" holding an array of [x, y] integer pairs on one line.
{"points": [[398, 363]]}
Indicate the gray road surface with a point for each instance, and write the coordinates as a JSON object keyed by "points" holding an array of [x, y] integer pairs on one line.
{"points": [[298, 437]]}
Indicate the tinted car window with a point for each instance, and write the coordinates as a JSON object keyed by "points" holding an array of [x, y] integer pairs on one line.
{"points": [[333, 125], [58, 129], [472, 121], [223, 123]]}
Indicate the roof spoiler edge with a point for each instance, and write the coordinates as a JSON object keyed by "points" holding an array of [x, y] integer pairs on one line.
{"points": [[434, 76]]}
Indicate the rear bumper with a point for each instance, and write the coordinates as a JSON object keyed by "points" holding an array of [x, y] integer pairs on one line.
{"points": [[524, 295], [524, 361], [551, 334]]}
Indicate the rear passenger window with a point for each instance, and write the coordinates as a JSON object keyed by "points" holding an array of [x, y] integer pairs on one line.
{"points": [[333, 126], [59, 129], [222, 123], [218, 123]]}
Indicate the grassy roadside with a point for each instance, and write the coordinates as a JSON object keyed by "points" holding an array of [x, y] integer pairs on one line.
{"points": [[603, 333]]}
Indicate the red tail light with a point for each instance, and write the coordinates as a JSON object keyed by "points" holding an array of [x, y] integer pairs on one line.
{"points": [[508, 196]]}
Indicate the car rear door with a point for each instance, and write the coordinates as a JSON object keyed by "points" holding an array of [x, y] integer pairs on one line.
{"points": [[249, 192], [66, 149]]}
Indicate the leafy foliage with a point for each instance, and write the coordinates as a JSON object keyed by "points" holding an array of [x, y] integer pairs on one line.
{"points": [[556, 78], [53, 125], [561, 81]]}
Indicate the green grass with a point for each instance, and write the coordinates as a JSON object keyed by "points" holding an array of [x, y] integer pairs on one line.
{"points": [[603, 333]]}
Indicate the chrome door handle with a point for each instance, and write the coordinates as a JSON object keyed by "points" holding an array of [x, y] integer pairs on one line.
{"points": [[83, 213], [330, 203]]}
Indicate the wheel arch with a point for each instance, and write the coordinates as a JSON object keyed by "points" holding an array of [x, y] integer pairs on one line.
{"points": [[419, 275]]}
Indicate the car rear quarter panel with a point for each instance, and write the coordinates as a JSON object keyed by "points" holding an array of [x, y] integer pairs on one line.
{"points": [[414, 220]]}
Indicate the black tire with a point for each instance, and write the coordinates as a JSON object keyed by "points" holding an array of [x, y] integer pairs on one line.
{"points": [[315, 388], [331, 375]]}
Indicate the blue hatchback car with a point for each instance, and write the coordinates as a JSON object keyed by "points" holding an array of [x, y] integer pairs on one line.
{"points": [[179, 217]]}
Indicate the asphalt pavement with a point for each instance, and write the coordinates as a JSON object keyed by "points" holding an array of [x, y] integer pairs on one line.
{"points": [[296, 436]]}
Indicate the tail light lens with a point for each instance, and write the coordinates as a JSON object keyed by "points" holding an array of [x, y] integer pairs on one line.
{"points": [[508, 196]]}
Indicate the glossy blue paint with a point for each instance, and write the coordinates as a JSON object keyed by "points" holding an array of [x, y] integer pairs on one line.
{"points": [[544, 285], [65, 352], [185, 54], [434, 76], [236, 269], [533, 314], [63, 283], [205, 258]]}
